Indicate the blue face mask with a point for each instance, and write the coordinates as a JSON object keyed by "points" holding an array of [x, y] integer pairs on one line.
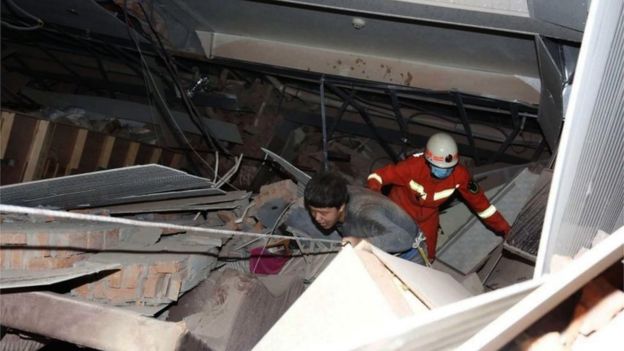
{"points": [[441, 173]]}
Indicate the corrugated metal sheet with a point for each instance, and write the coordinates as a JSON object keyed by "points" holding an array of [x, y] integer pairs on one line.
{"points": [[588, 184], [95, 188]]}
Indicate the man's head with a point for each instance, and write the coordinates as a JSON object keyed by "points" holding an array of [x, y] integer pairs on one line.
{"points": [[441, 154], [325, 197]]}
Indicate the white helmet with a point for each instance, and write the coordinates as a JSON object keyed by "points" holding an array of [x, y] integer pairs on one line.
{"points": [[441, 151]]}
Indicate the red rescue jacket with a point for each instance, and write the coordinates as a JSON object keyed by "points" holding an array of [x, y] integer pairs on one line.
{"points": [[420, 194]]}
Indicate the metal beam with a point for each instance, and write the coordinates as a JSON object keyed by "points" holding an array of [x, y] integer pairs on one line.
{"points": [[517, 126], [362, 130], [399, 117], [383, 143], [468, 131]]}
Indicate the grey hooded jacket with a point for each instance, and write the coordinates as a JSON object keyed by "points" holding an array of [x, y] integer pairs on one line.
{"points": [[369, 215]]}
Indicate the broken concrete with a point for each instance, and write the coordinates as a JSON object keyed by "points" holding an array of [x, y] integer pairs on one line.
{"points": [[232, 310]]}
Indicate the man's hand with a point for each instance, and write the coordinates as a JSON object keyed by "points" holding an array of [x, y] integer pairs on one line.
{"points": [[351, 240]]}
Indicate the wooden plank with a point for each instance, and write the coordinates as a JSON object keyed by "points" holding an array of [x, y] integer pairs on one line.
{"points": [[6, 125], [131, 154], [79, 143], [105, 152], [37, 151], [156, 154]]}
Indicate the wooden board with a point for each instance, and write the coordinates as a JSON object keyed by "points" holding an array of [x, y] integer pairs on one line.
{"points": [[433, 287], [37, 151], [131, 154], [105, 152], [6, 125], [76, 155], [343, 303]]}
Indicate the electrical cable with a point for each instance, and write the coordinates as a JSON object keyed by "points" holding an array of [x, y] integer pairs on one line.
{"points": [[154, 85], [171, 67], [20, 11], [324, 125], [134, 222]]}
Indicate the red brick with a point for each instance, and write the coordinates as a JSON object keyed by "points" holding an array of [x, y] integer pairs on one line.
{"points": [[17, 259], [98, 289], [39, 263], [117, 296], [165, 267], [43, 240], [155, 285], [131, 275], [12, 239], [226, 216], [173, 290], [114, 280], [4, 260], [285, 189], [82, 291]]}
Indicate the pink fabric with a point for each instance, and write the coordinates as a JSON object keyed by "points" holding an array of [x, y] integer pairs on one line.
{"points": [[264, 262]]}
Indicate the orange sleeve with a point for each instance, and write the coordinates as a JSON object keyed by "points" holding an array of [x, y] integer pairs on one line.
{"points": [[398, 174], [479, 203]]}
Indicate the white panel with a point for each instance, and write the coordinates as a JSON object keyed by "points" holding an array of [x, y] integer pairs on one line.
{"points": [[360, 65], [447, 327], [556, 288], [587, 192]]}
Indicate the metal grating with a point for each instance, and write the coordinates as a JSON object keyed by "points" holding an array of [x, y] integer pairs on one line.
{"points": [[588, 184], [95, 188], [470, 248], [527, 228]]}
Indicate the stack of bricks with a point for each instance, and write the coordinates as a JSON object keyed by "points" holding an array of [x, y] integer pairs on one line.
{"points": [[40, 246], [285, 190], [148, 276]]}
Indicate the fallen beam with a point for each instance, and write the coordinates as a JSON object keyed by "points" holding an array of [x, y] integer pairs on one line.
{"points": [[91, 325]]}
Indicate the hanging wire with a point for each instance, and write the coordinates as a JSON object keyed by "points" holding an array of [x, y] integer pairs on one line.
{"points": [[20, 11], [107, 219], [324, 125]]}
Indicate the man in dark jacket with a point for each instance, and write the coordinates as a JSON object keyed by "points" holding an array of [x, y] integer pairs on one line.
{"points": [[332, 208]]}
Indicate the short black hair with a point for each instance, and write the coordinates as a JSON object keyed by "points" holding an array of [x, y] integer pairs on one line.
{"points": [[326, 189]]}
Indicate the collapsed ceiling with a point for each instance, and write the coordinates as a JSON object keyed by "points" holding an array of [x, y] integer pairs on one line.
{"points": [[389, 68]]}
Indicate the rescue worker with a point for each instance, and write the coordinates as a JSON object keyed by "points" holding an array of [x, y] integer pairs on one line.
{"points": [[333, 209], [422, 183]]}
